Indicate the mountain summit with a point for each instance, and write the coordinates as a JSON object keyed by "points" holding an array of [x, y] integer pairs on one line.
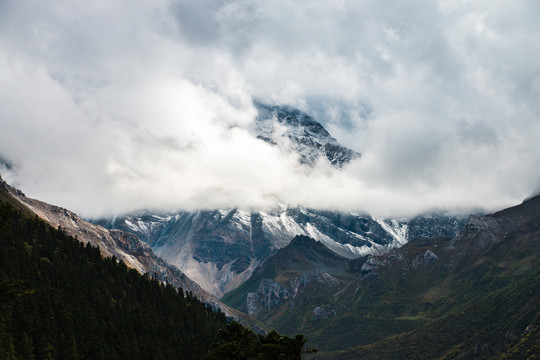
{"points": [[299, 132], [221, 248]]}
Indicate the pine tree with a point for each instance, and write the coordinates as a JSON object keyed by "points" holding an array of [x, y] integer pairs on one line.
{"points": [[7, 346], [25, 349]]}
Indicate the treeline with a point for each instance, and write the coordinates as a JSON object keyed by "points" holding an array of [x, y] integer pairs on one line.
{"points": [[60, 299]]}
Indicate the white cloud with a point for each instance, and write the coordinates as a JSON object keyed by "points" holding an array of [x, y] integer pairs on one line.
{"points": [[107, 107]]}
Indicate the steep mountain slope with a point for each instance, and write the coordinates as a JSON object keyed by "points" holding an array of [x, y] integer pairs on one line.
{"points": [[61, 299], [123, 245], [477, 294]]}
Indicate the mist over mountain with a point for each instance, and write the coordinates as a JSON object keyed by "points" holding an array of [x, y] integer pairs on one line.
{"points": [[472, 285], [325, 167], [112, 108], [220, 249]]}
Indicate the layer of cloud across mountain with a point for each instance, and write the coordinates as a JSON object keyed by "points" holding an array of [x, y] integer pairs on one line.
{"points": [[107, 107]]}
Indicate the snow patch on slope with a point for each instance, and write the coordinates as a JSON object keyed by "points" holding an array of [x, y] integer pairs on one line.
{"points": [[220, 249], [395, 229]]}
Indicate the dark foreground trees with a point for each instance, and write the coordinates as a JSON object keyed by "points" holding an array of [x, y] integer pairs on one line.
{"points": [[241, 343], [60, 299]]}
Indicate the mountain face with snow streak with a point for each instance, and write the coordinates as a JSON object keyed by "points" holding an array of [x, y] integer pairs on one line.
{"points": [[220, 249]]}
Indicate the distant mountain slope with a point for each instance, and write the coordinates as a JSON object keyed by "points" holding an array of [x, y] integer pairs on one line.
{"points": [[477, 294], [220, 249], [301, 133], [280, 282]]}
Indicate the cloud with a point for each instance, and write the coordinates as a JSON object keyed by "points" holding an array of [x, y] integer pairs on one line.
{"points": [[108, 107]]}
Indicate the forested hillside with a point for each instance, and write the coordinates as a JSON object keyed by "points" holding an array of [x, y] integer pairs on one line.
{"points": [[60, 299]]}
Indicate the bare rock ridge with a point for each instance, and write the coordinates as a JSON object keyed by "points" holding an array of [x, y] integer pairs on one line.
{"points": [[123, 245]]}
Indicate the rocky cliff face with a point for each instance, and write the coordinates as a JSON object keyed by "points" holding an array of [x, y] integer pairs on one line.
{"points": [[220, 249], [271, 295]]}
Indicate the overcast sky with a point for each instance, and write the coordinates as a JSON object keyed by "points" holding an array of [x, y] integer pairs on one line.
{"points": [[111, 106]]}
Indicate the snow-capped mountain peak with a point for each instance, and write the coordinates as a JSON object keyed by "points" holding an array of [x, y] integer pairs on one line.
{"points": [[294, 130]]}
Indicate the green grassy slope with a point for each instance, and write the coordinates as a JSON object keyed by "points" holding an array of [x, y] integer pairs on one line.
{"points": [[478, 296], [489, 307]]}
